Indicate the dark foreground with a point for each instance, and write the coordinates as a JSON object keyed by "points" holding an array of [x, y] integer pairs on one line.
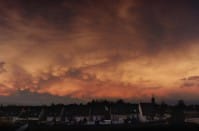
{"points": [[188, 127]]}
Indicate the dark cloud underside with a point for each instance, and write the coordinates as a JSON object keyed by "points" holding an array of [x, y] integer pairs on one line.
{"points": [[82, 48]]}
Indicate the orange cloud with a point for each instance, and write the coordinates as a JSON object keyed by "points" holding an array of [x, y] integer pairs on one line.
{"points": [[99, 49]]}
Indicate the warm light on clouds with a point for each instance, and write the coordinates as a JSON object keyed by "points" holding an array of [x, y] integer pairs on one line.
{"points": [[99, 49]]}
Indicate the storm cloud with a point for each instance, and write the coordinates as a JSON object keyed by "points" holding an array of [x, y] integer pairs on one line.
{"points": [[89, 49]]}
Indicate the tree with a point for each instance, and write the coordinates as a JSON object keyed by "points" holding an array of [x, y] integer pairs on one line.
{"points": [[162, 110], [178, 115], [181, 104]]}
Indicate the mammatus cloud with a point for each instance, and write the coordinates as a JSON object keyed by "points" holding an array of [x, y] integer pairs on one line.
{"points": [[2, 67], [98, 49], [192, 81]]}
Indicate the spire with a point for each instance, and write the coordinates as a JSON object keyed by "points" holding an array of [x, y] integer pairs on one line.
{"points": [[153, 100]]}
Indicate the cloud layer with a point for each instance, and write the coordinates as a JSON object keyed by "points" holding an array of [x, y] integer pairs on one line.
{"points": [[88, 49]]}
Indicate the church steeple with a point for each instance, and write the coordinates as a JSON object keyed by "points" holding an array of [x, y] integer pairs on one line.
{"points": [[153, 99]]}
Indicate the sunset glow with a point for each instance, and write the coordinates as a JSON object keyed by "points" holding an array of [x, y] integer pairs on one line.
{"points": [[99, 49]]}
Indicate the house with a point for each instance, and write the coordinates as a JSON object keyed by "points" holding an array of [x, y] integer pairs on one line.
{"points": [[123, 113], [151, 112], [147, 111]]}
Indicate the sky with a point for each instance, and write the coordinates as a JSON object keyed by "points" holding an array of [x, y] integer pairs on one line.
{"points": [[67, 51]]}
